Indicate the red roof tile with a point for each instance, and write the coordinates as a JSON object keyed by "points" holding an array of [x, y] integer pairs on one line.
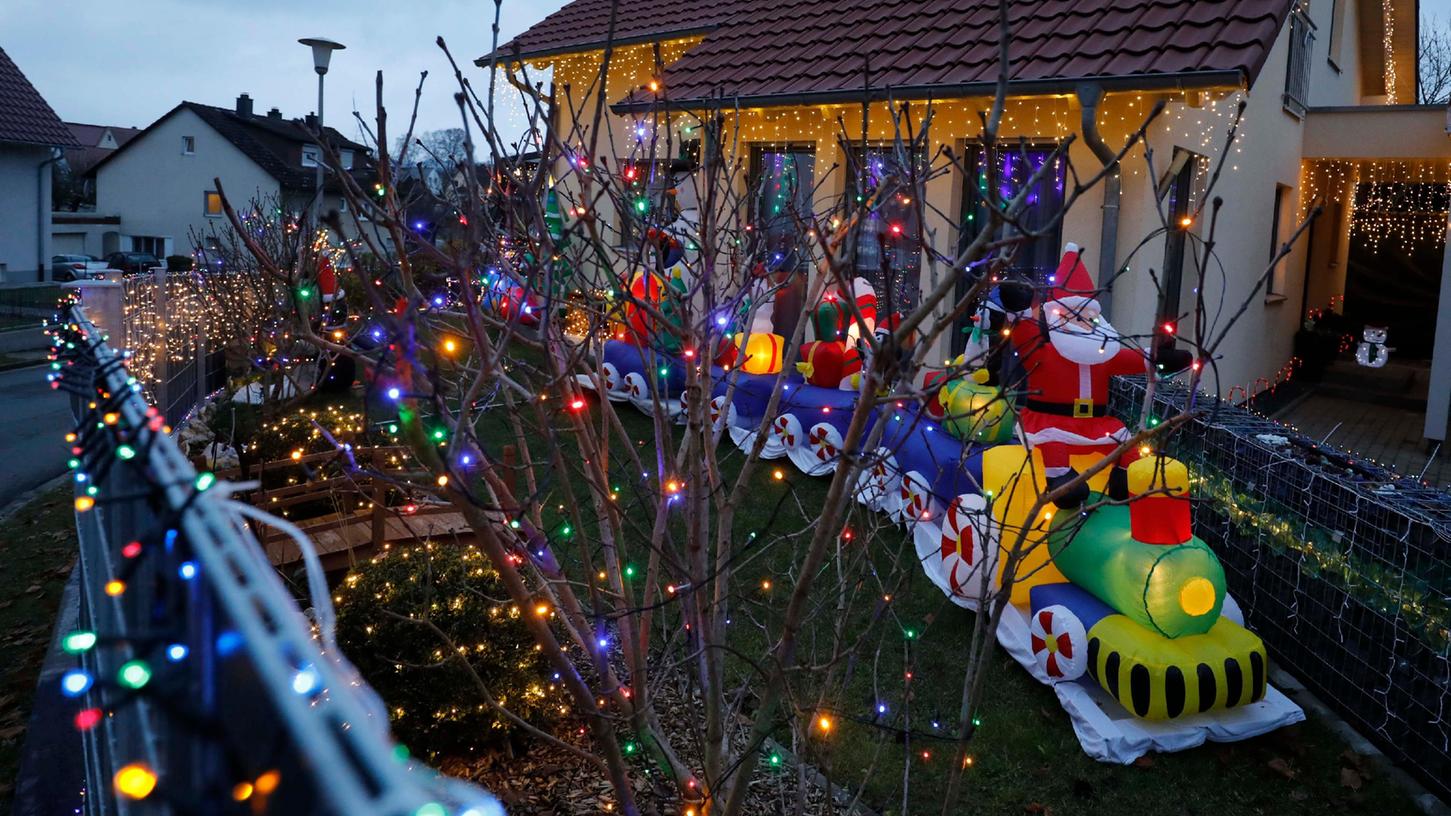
{"points": [[765, 51], [24, 114]]}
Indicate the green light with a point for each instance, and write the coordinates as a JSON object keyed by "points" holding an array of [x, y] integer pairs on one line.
{"points": [[205, 480], [430, 809], [438, 434], [134, 674], [641, 205], [392, 427], [73, 464], [514, 523], [631, 748], [126, 452], [304, 293], [92, 490], [400, 753], [910, 633], [78, 641], [629, 571], [566, 530], [976, 722], [776, 760]]}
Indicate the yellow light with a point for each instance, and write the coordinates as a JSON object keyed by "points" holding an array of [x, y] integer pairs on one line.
{"points": [[1196, 597], [766, 585], [70, 437], [778, 474], [84, 503], [135, 781], [541, 610], [824, 723], [1145, 450], [242, 791], [115, 587], [450, 346], [111, 418], [338, 335], [267, 782], [1185, 222], [297, 456], [443, 480]]}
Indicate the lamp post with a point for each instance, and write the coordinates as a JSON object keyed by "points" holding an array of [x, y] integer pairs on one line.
{"points": [[322, 53]]}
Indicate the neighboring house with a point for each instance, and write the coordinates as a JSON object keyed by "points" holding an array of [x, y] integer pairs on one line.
{"points": [[1327, 84], [76, 228], [30, 138], [161, 184]]}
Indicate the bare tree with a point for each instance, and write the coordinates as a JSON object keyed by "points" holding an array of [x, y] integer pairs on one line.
{"points": [[644, 542], [1433, 78]]}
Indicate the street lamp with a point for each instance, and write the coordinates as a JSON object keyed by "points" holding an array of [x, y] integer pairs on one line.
{"points": [[322, 53]]}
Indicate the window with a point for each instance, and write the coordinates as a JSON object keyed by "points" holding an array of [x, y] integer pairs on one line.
{"points": [[1014, 165], [188, 145], [311, 155], [347, 159], [1337, 35], [1275, 285], [1297, 78], [212, 204], [887, 251], [342, 204], [780, 186], [1178, 185]]}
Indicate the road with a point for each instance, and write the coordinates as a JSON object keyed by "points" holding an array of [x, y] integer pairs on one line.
{"points": [[33, 420]]}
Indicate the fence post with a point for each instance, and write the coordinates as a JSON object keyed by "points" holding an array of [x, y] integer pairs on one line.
{"points": [[163, 364]]}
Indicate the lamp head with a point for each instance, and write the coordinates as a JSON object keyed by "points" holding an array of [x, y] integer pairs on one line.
{"points": [[322, 51]]}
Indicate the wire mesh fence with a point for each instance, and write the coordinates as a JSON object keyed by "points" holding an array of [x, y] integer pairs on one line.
{"points": [[1340, 565]]}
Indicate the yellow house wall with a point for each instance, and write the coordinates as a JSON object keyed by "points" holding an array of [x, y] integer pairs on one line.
{"points": [[1268, 152]]}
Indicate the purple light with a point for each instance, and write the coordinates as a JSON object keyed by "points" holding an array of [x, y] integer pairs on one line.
{"points": [[394, 393], [418, 225]]}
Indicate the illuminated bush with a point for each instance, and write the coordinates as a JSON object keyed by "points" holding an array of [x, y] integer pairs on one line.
{"points": [[435, 705]]}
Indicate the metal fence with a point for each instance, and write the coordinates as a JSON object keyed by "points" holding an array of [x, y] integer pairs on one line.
{"points": [[1340, 565], [201, 686], [167, 316]]}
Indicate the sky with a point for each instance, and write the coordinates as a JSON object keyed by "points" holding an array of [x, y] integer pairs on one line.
{"points": [[127, 62]]}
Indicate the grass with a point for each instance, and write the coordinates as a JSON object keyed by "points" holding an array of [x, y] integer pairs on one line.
{"points": [[1026, 758], [39, 547]]}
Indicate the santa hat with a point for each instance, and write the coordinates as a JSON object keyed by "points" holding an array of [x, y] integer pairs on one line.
{"points": [[1073, 288], [327, 279]]}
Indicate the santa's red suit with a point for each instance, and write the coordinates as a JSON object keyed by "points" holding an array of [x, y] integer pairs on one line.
{"points": [[1065, 410]]}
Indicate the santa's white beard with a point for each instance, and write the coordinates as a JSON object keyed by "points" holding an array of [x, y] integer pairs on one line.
{"points": [[1085, 346]]}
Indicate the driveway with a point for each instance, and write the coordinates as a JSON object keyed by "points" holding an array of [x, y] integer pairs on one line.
{"points": [[33, 420]]}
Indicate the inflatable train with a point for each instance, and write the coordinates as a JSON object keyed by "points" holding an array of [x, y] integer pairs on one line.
{"points": [[1122, 609]]}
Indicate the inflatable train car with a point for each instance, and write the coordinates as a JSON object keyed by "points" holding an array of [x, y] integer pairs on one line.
{"points": [[1122, 609]]}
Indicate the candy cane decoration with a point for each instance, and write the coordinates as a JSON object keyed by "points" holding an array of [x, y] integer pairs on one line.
{"points": [[635, 385], [825, 441], [916, 499], [962, 538], [787, 429], [611, 376], [1059, 643], [875, 482]]}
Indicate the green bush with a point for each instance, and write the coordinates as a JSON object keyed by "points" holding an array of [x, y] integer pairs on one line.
{"points": [[178, 263], [435, 705]]}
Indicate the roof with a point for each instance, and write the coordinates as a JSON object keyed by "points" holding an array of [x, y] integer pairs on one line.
{"points": [[584, 25], [266, 140], [813, 51], [88, 140], [25, 116]]}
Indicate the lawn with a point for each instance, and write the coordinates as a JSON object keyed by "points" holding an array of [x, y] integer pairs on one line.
{"points": [[39, 547], [1026, 758]]}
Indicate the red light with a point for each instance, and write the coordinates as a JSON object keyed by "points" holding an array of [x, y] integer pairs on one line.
{"points": [[896, 229], [577, 404], [1168, 328], [463, 219], [690, 354], [87, 718], [132, 549]]}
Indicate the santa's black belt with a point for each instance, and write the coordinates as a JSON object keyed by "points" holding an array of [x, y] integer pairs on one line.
{"points": [[1078, 409]]}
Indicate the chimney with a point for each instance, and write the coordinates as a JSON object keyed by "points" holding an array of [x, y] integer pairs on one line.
{"points": [[311, 121], [1162, 516], [244, 105], [274, 114]]}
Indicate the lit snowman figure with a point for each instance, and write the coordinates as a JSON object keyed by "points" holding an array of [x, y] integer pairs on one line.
{"points": [[1372, 352]]}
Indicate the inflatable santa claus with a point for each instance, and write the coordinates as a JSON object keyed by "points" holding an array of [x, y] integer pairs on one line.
{"points": [[1068, 352]]}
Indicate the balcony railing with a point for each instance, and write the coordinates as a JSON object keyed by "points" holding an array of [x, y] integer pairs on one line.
{"points": [[200, 686]]}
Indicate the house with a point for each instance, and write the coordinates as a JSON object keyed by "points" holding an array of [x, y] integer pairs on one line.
{"points": [[76, 228], [31, 136], [160, 185], [1324, 82]]}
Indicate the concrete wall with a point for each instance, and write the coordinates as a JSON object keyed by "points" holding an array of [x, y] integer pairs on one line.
{"points": [[24, 213], [159, 191]]}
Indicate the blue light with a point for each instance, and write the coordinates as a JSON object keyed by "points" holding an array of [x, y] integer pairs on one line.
{"points": [[177, 652], [187, 570], [305, 681], [229, 642], [75, 682], [394, 393]]}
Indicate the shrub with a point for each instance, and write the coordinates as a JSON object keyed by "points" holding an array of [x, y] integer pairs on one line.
{"points": [[435, 705], [178, 263]]}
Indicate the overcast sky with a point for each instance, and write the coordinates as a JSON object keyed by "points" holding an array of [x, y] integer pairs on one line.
{"points": [[127, 62]]}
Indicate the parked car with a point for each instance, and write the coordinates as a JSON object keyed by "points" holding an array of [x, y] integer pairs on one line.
{"points": [[76, 267], [132, 263]]}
